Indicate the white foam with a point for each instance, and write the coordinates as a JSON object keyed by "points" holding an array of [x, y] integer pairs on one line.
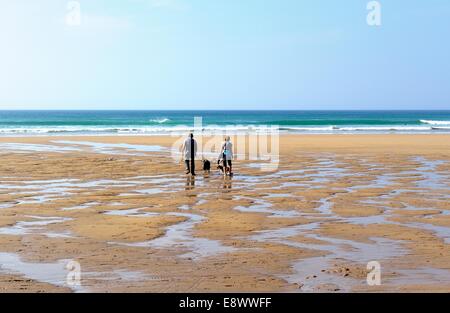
{"points": [[182, 129], [435, 122], [160, 120]]}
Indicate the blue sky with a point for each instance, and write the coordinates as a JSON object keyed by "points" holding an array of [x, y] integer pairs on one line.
{"points": [[224, 54]]}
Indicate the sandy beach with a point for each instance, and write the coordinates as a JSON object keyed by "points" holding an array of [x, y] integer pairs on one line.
{"points": [[128, 215]]}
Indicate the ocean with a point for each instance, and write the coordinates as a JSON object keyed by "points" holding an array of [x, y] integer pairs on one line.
{"points": [[25, 123]]}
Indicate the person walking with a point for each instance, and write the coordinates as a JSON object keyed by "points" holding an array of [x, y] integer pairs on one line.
{"points": [[190, 151], [227, 155]]}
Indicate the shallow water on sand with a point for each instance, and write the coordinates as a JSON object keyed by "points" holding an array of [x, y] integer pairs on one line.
{"points": [[37, 226], [27, 147], [114, 148], [180, 236], [52, 273]]}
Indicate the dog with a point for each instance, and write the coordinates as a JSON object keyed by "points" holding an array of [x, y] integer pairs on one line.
{"points": [[220, 166], [206, 166]]}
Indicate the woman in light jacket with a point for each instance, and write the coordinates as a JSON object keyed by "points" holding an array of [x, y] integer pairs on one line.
{"points": [[227, 155]]}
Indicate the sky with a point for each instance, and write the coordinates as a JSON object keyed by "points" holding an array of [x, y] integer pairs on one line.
{"points": [[224, 54]]}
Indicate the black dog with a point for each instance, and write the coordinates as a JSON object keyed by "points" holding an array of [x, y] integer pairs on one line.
{"points": [[206, 166]]}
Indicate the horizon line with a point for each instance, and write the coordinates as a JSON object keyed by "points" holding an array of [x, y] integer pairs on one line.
{"points": [[221, 110]]}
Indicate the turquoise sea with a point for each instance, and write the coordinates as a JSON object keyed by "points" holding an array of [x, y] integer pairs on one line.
{"points": [[20, 123]]}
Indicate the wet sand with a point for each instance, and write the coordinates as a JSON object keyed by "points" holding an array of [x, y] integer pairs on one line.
{"points": [[125, 211]]}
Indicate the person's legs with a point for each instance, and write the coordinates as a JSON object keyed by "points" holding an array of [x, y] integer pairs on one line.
{"points": [[225, 165], [193, 167], [192, 156], [230, 165], [188, 170]]}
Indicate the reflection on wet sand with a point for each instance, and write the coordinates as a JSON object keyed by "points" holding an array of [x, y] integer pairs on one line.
{"points": [[190, 183], [227, 183]]}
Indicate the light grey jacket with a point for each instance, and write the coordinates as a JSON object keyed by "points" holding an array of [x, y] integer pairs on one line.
{"points": [[227, 148]]}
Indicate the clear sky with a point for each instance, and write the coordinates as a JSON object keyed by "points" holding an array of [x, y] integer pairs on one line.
{"points": [[224, 54]]}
